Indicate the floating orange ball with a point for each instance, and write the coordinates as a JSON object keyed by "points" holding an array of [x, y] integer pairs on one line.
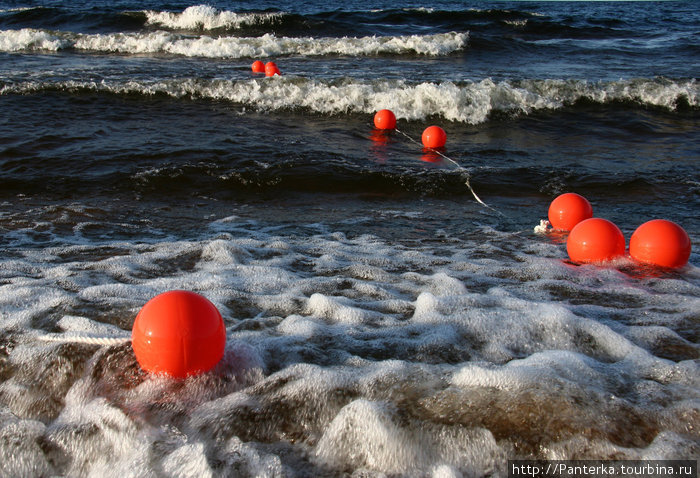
{"points": [[178, 333], [434, 137], [258, 67], [567, 210], [595, 240], [385, 119], [271, 69], [660, 242]]}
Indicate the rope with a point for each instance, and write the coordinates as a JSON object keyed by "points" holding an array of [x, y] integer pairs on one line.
{"points": [[459, 167], [84, 339]]}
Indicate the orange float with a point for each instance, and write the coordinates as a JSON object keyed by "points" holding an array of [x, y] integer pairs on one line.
{"points": [[385, 119], [661, 243], [178, 333], [595, 240], [434, 137], [567, 210], [271, 69], [258, 67]]}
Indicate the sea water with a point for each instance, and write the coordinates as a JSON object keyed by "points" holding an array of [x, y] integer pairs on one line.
{"points": [[380, 320]]}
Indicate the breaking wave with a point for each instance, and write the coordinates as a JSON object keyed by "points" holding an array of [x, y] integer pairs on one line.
{"points": [[466, 102], [205, 17], [161, 42]]}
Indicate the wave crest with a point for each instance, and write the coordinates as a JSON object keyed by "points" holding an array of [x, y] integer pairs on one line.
{"points": [[230, 47], [205, 17], [469, 102]]}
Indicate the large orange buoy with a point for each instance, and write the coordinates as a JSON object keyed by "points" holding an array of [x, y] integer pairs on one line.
{"points": [[258, 67], [434, 137], [567, 210], [595, 240], [660, 242], [385, 119], [178, 333], [271, 69]]}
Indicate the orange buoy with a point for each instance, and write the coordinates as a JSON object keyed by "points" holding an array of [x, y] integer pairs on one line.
{"points": [[567, 210], [385, 119], [434, 137], [595, 240], [178, 333], [258, 67], [660, 242], [271, 69]]}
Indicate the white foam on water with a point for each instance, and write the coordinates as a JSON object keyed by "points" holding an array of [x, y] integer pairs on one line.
{"points": [[86, 326], [368, 434], [98, 436], [205, 17], [18, 9], [346, 353], [251, 461], [468, 102], [24, 303], [300, 326], [337, 310], [188, 460], [31, 39], [267, 45], [20, 452]]}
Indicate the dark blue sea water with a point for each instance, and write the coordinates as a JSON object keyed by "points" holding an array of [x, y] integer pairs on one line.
{"points": [[380, 320]]}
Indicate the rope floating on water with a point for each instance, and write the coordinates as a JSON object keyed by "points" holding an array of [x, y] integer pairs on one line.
{"points": [[85, 339], [459, 167]]}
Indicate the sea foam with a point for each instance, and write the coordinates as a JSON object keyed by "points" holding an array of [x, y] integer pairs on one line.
{"points": [[205, 17], [408, 358], [471, 102], [267, 45]]}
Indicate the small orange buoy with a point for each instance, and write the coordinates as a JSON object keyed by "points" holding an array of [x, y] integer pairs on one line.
{"points": [[258, 67], [271, 69], [595, 240], [385, 119], [178, 333], [567, 210], [660, 242], [434, 137]]}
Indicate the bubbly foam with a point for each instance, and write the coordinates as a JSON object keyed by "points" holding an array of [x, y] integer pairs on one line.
{"points": [[344, 353], [381, 358], [31, 39], [162, 42]]}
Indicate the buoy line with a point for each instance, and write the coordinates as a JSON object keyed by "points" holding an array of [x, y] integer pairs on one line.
{"points": [[459, 167], [434, 137], [85, 339]]}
